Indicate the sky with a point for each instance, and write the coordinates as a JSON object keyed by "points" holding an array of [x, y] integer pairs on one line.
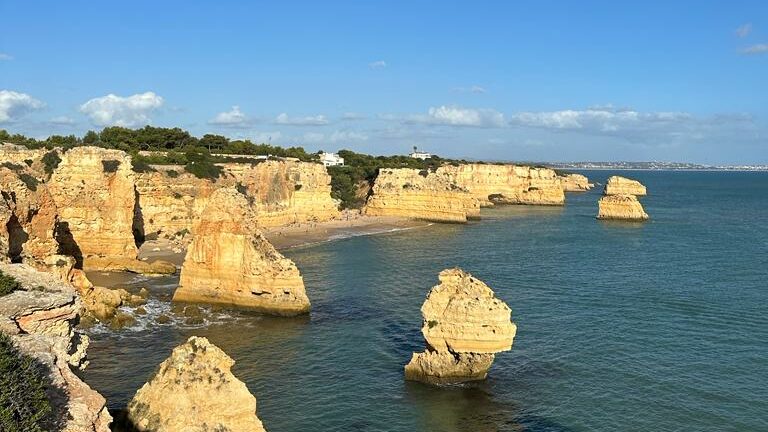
{"points": [[496, 80]]}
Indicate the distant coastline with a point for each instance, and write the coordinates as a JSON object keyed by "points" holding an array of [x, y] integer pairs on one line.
{"points": [[653, 166]]}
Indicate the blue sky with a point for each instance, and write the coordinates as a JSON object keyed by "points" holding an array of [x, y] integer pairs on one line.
{"points": [[543, 80]]}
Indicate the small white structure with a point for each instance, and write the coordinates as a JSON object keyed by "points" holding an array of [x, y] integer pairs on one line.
{"points": [[331, 159], [416, 154]]}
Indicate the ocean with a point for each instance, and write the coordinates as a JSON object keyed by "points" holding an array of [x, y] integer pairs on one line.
{"points": [[622, 326]]}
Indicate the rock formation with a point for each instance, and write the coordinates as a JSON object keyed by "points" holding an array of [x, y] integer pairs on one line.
{"points": [[464, 326], [431, 196], [280, 192], [621, 207], [229, 262], [41, 318], [618, 185], [575, 183], [194, 391], [507, 184]]}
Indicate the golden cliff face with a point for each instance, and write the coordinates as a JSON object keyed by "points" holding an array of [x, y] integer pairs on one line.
{"points": [[576, 183], [618, 185], [621, 207], [507, 184], [281, 193], [425, 195], [229, 262], [464, 326], [195, 390], [94, 190]]}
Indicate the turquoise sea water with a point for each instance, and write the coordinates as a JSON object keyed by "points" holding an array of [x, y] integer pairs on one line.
{"points": [[621, 326]]}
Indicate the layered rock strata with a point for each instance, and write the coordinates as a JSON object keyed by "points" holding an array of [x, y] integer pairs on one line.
{"points": [[575, 183], [621, 207], [41, 318], [194, 390], [425, 195], [617, 185], [507, 184], [229, 262], [464, 325]]}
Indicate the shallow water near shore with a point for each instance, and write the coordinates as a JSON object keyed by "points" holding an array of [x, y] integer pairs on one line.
{"points": [[621, 326]]}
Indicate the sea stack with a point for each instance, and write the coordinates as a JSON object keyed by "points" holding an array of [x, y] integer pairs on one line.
{"points": [[617, 185], [195, 390], [619, 200], [464, 325], [575, 183], [229, 262]]}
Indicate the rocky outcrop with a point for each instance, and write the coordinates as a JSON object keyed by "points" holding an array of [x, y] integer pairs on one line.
{"points": [[464, 326], [507, 184], [425, 195], [194, 390], [95, 193], [621, 207], [617, 185], [229, 262], [575, 183], [41, 318]]}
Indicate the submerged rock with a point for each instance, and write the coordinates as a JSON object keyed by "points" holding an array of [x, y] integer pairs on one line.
{"points": [[621, 207], [194, 391], [229, 262], [618, 185], [464, 326]]}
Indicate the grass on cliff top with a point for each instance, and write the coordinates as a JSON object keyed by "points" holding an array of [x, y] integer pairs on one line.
{"points": [[24, 405], [8, 284]]}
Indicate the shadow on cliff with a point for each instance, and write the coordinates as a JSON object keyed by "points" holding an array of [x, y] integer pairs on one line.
{"points": [[121, 422], [67, 243], [16, 239], [138, 221]]}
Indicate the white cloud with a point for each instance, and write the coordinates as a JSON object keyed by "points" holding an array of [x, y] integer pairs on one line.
{"points": [[458, 116], [472, 89], [756, 49], [744, 30], [13, 105], [130, 111], [5, 57], [61, 121], [379, 64], [231, 118], [605, 119], [318, 120]]}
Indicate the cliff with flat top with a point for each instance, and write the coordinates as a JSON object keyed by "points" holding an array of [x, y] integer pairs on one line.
{"points": [[507, 184], [425, 195]]}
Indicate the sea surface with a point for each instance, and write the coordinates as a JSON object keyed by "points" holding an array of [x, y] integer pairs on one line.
{"points": [[657, 326]]}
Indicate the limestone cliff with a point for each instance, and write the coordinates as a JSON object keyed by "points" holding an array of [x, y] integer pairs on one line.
{"points": [[41, 318], [229, 262], [507, 184], [575, 183], [194, 390], [621, 207], [432, 196], [281, 193], [28, 216], [617, 185], [94, 191], [464, 326]]}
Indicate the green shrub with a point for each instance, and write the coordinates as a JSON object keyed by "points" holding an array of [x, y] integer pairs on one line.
{"points": [[24, 406], [172, 173], [110, 165], [51, 160], [29, 162], [29, 180], [8, 284], [140, 164], [12, 166]]}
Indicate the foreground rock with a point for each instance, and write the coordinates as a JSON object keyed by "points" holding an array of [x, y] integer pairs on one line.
{"points": [[618, 185], [229, 262], [424, 195], [507, 184], [621, 207], [41, 318], [194, 391], [575, 183], [464, 326]]}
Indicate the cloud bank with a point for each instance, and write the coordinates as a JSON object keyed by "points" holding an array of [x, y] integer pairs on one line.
{"points": [[130, 111], [13, 105]]}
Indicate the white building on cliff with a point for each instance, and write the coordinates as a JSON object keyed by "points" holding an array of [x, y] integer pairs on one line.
{"points": [[416, 154], [331, 159]]}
